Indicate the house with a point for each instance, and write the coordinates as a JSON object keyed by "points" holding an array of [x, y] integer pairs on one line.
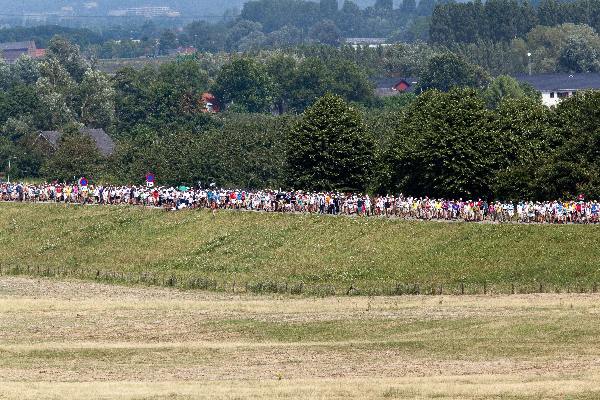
{"points": [[555, 87], [104, 143], [210, 103], [392, 86], [11, 51], [39, 53], [186, 51]]}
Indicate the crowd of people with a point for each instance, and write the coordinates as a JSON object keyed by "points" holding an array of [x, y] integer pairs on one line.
{"points": [[393, 206]]}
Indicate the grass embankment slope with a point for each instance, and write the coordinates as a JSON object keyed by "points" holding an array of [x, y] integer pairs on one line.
{"points": [[86, 340], [247, 247]]}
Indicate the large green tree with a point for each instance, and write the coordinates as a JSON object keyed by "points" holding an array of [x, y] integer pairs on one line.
{"points": [[443, 147], [330, 147], [244, 83], [580, 55], [571, 166], [506, 87], [76, 156], [313, 78], [523, 127], [446, 71], [326, 32], [170, 97]]}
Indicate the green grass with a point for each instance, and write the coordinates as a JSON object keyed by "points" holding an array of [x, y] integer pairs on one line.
{"points": [[270, 251]]}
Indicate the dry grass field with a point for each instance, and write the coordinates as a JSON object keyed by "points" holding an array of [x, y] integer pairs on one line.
{"points": [[85, 340]]}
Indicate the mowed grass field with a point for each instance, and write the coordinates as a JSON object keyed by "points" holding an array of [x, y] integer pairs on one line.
{"points": [[253, 250], [68, 339]]}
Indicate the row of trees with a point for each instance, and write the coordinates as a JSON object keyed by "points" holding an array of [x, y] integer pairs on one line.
{"points": [[452, 145], [504, 20], [261, 24], [447, 144], [468, 133], [561, 48]]}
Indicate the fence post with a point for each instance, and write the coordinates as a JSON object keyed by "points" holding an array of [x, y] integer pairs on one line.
{"points": [[462, 288], [484, 287]]}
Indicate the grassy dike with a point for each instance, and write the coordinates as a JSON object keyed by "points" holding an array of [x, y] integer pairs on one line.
{"points": [[293, 253]]}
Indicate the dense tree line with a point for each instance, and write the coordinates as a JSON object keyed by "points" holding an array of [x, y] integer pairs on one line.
{"points": [[300, 121], [504, 35], [260, 24], [452, 144], [501, 36], [285, 23], [505, 20]]}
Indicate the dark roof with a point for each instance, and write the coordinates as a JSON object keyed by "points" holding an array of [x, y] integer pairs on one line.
{"points": [[16, 45], [554, 82], [51, 136], [104, 143]]}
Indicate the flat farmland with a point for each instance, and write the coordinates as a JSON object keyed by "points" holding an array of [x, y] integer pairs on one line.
{"points": [[85, 340]]}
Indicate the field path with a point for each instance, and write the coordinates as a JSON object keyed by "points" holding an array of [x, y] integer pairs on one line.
{"points": [[74, 339]]}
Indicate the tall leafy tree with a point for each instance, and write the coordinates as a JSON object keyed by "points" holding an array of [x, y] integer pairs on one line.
{"points": [[580, 55], [408, 6], [523, 126], [445, 71], [68, 56], [328, 8], [443, 147], [76, 156], [505, 87], [425, 8], [384, 5], [245, 83], [314, 77], [330, 148], [282, 69], [502, 19], [550, 13], [95, 100], [167, 41], [441, 28], [572, 165], [326, 32]]}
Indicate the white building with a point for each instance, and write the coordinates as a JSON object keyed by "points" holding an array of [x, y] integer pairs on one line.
{"points": [[555, 87], [146, 12]]}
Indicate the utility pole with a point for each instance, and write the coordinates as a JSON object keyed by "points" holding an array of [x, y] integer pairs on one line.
{"points": [[529, 62], [8, 174]]}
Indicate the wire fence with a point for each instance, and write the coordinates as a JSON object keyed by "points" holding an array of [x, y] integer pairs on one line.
{"points": [[191, 281]]}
